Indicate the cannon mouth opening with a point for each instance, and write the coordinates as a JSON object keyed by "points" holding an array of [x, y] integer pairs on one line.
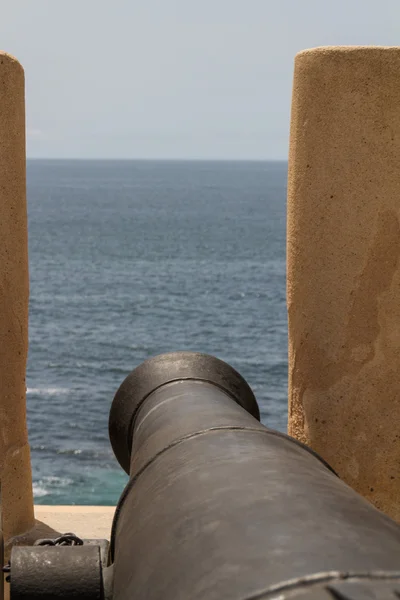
{"points": [[160, 370]]}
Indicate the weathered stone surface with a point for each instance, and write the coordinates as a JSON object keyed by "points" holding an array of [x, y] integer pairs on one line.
{"points": [[343, 265], [15, 470]]}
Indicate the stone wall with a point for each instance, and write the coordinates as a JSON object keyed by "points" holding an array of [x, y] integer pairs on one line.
{"points": [[15, 469], [343, 287]]}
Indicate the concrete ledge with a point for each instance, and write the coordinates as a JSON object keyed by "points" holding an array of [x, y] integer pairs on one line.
{"points": [[84, 521]]}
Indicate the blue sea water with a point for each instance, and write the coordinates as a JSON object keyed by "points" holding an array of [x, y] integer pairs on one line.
{"points": [[129, 259]]}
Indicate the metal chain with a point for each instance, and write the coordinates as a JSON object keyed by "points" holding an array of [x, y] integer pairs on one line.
{"points": [[7, 569], [67, 539]]}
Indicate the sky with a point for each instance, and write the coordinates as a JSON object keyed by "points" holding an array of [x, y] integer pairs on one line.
{"points": [[174, 79]]}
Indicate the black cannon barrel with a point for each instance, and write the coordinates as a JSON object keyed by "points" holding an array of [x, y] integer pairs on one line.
{"points": [[219, 506]]}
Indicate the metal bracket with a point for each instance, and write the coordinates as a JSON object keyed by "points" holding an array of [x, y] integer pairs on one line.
{"points": [[46, 571]]}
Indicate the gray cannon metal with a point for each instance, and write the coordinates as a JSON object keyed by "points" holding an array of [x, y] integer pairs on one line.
{"points": [[219, 506]]}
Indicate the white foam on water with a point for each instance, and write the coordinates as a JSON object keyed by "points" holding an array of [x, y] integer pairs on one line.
{"points": [[39, 491], [50, 391], [49, 484]]}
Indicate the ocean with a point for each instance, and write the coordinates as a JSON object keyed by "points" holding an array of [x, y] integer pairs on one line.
{"points": [[129, 259]]}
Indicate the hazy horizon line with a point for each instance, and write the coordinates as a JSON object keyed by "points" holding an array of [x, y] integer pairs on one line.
{"points": [[59, 159]]}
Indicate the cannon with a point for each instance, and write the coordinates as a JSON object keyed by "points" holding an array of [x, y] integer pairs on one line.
{"points": [[217, 506]]}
